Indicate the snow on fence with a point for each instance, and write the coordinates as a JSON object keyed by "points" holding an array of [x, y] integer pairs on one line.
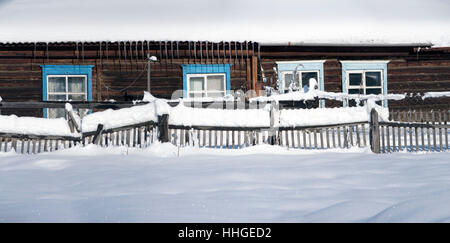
{"points": [[140, 126]]}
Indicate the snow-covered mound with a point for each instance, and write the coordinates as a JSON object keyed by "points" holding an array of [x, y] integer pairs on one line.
{"points": [[187, 116], [326, 116], [35, 126], [118, 118]]}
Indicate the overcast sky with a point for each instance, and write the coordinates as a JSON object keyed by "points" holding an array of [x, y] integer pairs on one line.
{"points": [[260, 20]]}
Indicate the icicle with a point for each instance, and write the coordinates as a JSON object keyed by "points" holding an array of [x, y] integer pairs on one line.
{"points": [[160, 52], [235, 52], [212, 52], [143, 51], [118, 49], [190, 57], [195, 52], [78, 52], [107, 53], [207, 55], [165, 51], [100, 45], [131, 51], [178, 52], [201, 52], [82, 50], [246, 46], [34, 51], [242, 53], [218, 52], [171, 51], [259, 52], [148, 49], [137, 51], [229, 48], [46, 50], [124, 51]]}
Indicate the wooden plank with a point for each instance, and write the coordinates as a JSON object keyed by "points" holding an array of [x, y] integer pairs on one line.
{"points": [[394, 148], [33, 150], [315, 138], [350, 129], [416, 134], [339, 136], [399, 134], [421, 131], [440, 130], [22, 146], [383, 145], [388, 138], [333, 131], [304, 139], [321, 139], [428, 132], [405, 138], [433, 119], [446, 131], [358, 139], [292, 139], [411, 145]]}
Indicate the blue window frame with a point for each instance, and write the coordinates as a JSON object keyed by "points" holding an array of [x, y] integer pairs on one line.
{"points": [[364, 77], [64, 82], [304, 70], [197, 76]]}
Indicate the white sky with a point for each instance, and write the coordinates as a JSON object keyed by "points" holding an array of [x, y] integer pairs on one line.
{"points": [[319, 21]]}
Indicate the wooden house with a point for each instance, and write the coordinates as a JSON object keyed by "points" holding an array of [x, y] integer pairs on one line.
{"points": [[99, 71]]}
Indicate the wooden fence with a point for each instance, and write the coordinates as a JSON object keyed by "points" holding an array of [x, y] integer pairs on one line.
{"points": [[411, 134], [412, 131]]}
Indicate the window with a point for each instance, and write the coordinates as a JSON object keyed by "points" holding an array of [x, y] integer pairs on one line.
{"points": [[65, 82], [299, 73], [206, 85], [65, 87], [364, 78], [206, 80], [364, 82], [304, 76]]}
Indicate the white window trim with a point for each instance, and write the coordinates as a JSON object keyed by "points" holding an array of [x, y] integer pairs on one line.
{"points": [[299, 75], [363, 82], [67, 93], [205, 90]]}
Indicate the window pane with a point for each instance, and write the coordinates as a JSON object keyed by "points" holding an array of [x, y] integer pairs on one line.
{"points": [[56, 84], [216, 82], [287, 80], [355, 78], [196, 95], [76, 84], [216, 94], [57, 97], [308, 75], [196, 83], [373, 78], [56, 113], [373, 91], [77, 97], [355, 91]]}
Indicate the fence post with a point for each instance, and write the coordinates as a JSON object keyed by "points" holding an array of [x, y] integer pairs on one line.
{"points": [[98, 134], [374, 132], [163, 127], [272, 135]]}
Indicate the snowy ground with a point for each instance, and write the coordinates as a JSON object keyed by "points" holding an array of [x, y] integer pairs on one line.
{"points": [[257, 184]]}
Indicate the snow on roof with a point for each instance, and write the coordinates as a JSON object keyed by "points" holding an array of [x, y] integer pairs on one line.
{"points": [[328, 22]]}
